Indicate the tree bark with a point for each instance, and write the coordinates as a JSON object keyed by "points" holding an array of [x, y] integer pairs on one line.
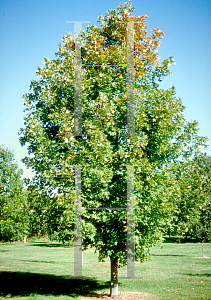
{"points": [[202, 250], [114, 277]]}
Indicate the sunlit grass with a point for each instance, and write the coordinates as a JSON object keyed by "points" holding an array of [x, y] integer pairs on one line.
{"points": [[37, 270]]}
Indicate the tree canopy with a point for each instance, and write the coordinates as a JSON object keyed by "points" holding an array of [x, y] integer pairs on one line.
{"points": [[105, 147]]}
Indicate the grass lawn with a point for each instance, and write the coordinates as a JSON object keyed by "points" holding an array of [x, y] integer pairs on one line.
{"points": [[39, 270]]}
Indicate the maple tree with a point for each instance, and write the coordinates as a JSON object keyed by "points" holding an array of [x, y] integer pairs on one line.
{"points": [[105, 148]]}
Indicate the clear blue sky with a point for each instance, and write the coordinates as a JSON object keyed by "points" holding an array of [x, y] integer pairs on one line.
{"points": [[32, 29]]}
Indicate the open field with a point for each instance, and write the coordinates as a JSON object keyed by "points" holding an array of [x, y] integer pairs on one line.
{"points": [[39, 270]]}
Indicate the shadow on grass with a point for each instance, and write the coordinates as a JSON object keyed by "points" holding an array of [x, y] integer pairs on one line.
{"points": [[39, 261], [200, 275], [177, 240], [24, 284], [167, 255], [47, 244]]}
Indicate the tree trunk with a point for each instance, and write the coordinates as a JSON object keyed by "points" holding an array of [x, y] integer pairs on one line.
{"points": [[114, 277], [202, 249]]}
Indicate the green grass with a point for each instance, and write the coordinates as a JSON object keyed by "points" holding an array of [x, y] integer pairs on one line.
{"points": [[39, 270]]}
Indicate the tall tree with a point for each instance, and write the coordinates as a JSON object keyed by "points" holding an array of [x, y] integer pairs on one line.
{"points": [[13, 217], [105, 148]]}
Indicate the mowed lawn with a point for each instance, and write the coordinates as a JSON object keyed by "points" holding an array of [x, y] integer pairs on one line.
{"points": [[40, 270]]}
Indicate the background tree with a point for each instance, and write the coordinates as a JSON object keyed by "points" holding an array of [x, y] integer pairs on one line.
{"points": [[194, 179], [36, 207], [13, 214], [104, 149], [48, 214], [200, 228]]}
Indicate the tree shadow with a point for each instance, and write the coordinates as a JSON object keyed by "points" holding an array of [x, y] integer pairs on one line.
{"points": [[24, 284], [39, 261], [200, 275], [168, 255], [47, 244]]}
